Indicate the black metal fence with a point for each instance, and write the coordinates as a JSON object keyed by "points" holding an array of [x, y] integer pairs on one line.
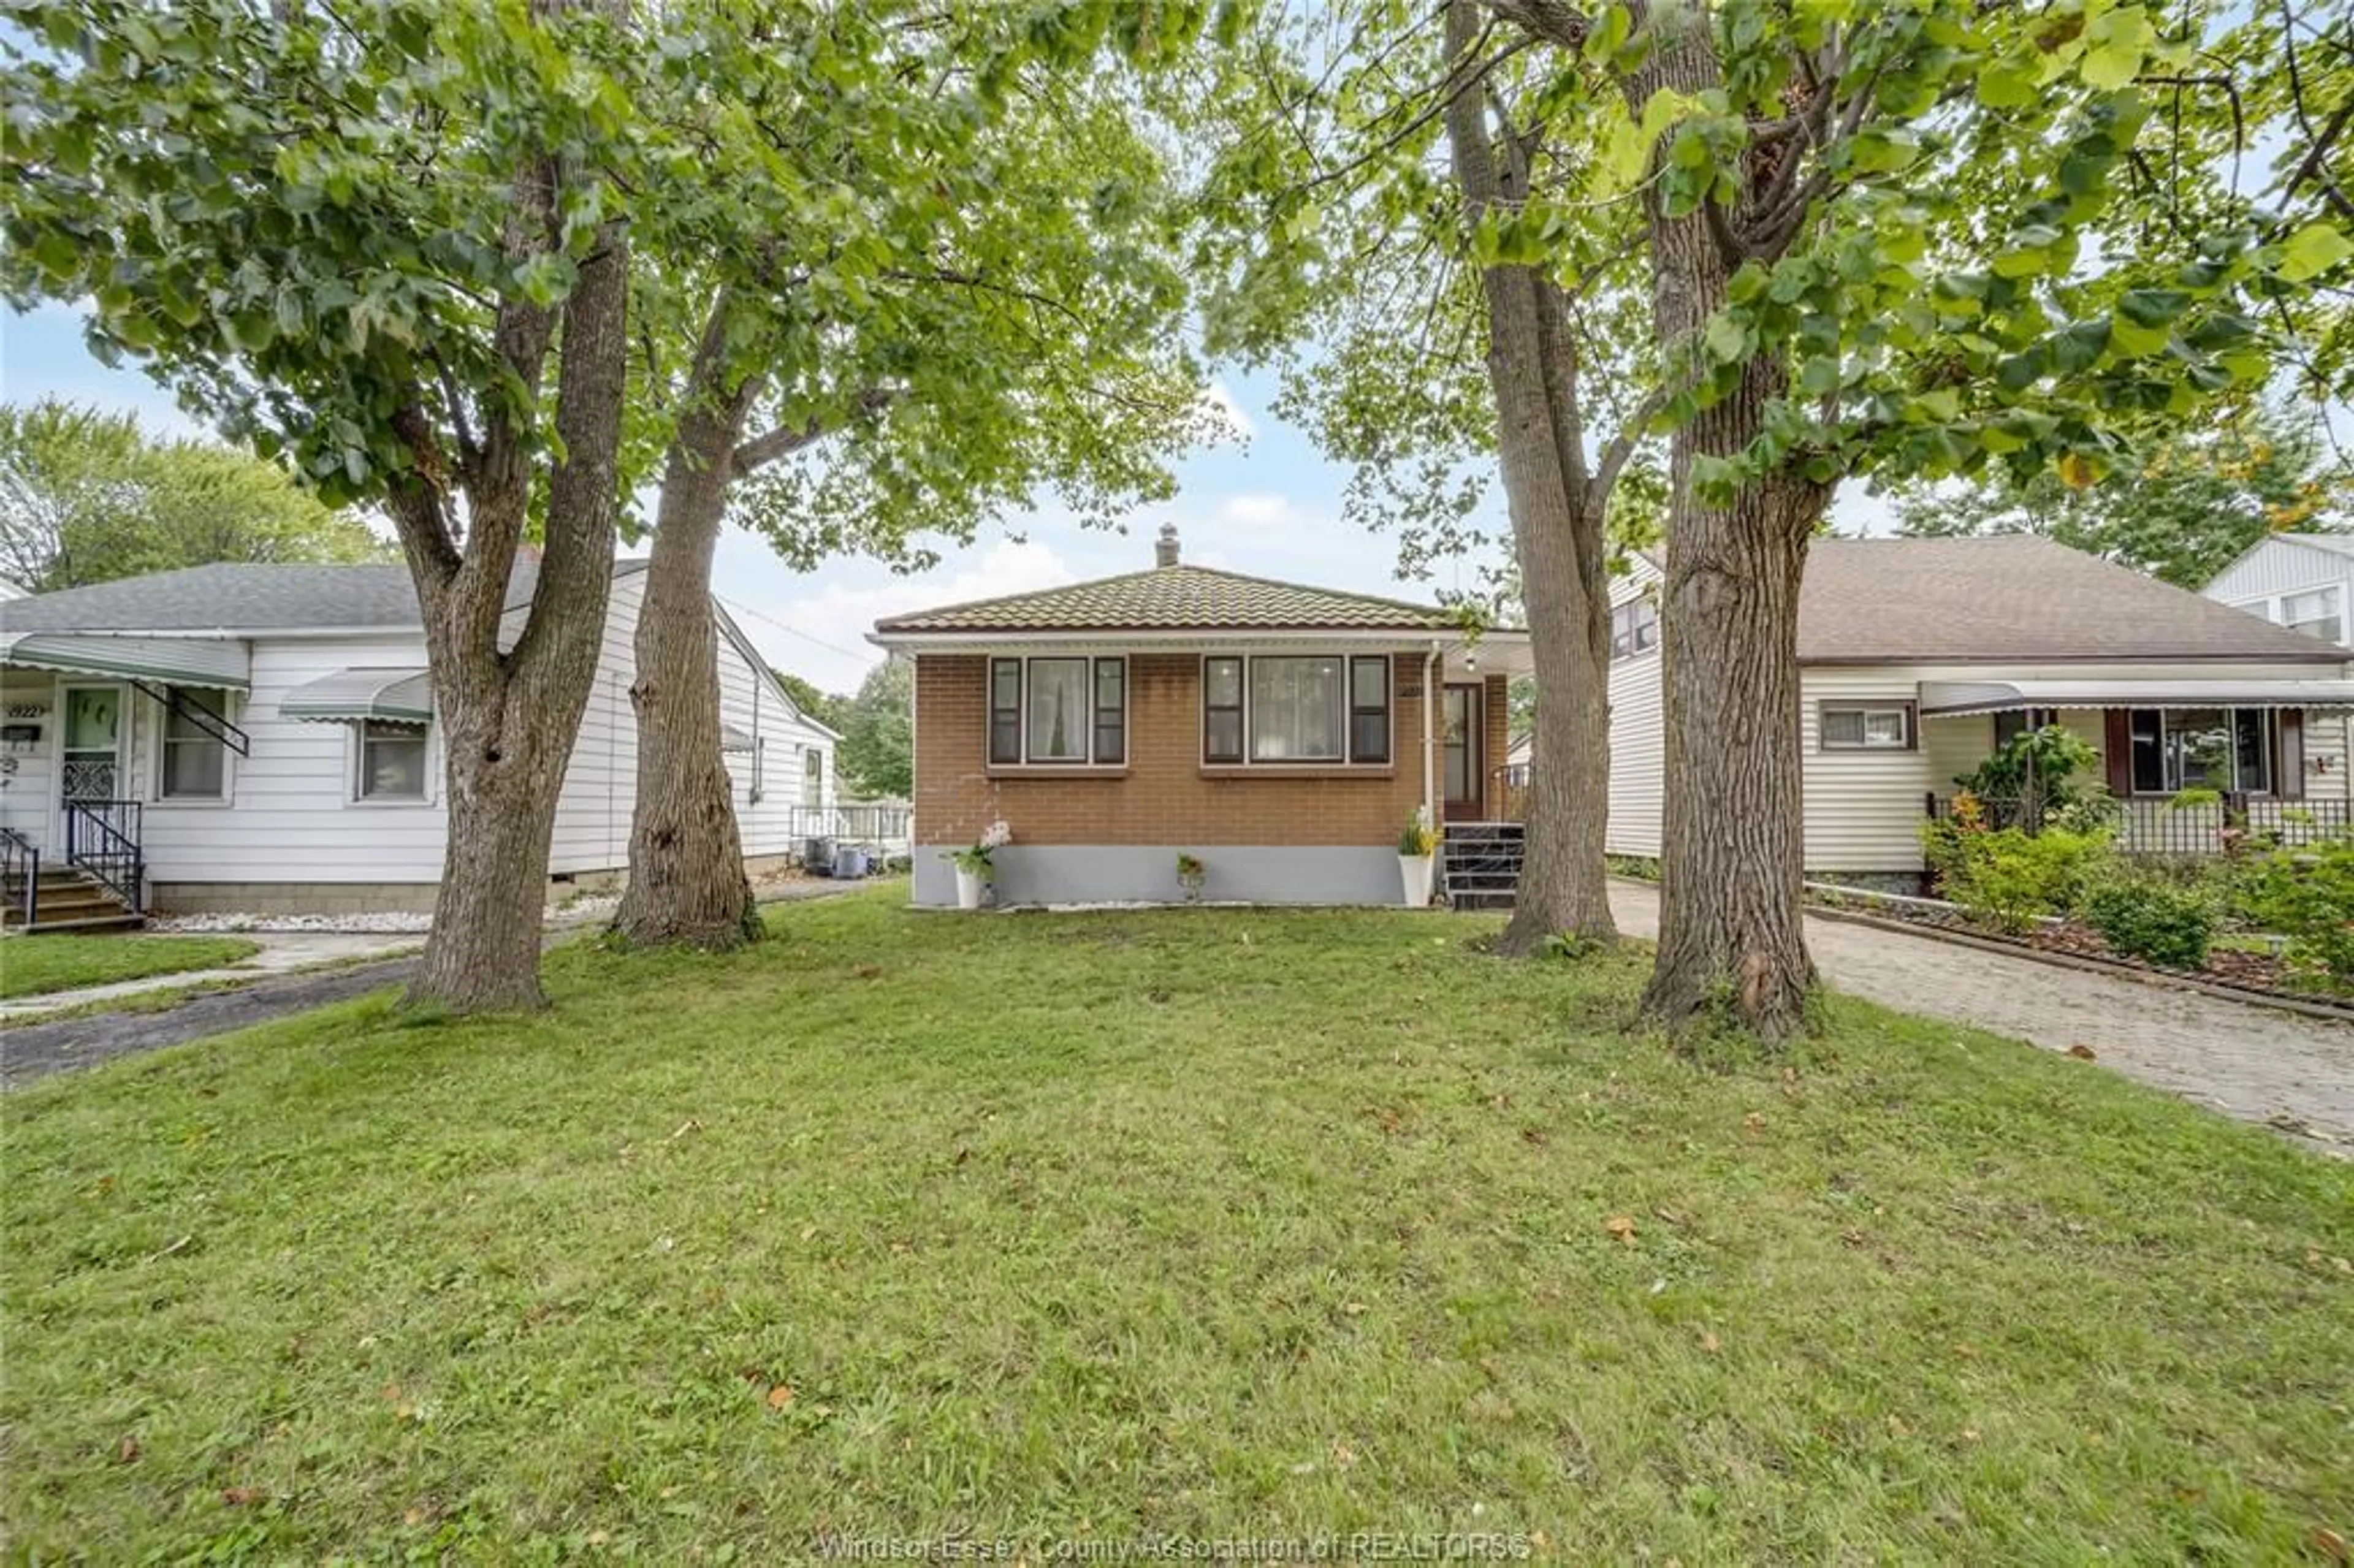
{"points": [[2184, 828], [20, 872]]}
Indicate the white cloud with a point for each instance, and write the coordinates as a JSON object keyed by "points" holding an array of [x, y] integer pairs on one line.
{"points": [[1222, 403]]}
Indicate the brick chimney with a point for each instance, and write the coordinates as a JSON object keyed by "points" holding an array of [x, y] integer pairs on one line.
{"points": [[1164, 552]]}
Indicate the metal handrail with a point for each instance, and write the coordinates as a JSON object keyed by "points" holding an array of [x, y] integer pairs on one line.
{"points": [[96, 841], [19, 856]]}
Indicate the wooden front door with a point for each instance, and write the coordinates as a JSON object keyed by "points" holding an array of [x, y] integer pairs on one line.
{"points": [[1462, 766]]}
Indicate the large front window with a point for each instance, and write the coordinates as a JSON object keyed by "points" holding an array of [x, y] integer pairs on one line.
{"points": [[2223, 750], [1057, 711], [1314, 708]]}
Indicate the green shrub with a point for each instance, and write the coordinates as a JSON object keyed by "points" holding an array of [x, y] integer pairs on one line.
{"points": [[2305, 895], [2147, 918], [2008, 878]]}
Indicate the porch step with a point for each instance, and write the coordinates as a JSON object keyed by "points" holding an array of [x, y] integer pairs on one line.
{"points": [[1479, 865], [65, 899]]}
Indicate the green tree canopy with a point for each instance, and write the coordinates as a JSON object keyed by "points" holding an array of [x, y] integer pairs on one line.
{"points": [[2182, 505], [877, 754], [822, 707], [87, 496]]}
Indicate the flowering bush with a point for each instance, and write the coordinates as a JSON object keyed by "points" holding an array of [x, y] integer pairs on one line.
{"points": [[978, 857], [1420, 837]]}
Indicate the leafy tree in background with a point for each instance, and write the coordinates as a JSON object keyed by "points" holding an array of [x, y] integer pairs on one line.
{"points": [[389, 242], [822, 707], [86, 497], [2181, 506], [877, 753]]}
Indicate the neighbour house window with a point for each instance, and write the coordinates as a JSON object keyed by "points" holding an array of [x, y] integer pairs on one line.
{"points": [[813, 777], [1319, 708], [1058, 711], [2317, 614], [392, 760], [2225, 749], [2009, 727], [1867, 727], [1633, 628], [196, 762]]}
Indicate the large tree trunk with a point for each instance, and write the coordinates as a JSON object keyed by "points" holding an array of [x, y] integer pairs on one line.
{"points": [[1556, 510], [1732, 848], [686, 855], [509, 717]]}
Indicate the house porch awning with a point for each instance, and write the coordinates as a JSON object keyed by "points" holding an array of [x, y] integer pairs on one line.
{"points": [[1944, 699], [218, 661], [380, 691]]}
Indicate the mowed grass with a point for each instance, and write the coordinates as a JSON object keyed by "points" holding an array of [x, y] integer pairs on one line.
{"points": [[36, 965], [1081, 1228]]}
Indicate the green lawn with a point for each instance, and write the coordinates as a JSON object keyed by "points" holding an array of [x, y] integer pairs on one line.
{"points": [[1200, 1222], [32, 966]]}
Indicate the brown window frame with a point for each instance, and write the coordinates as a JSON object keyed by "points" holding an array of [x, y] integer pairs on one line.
{"points": [[1239, 708]]}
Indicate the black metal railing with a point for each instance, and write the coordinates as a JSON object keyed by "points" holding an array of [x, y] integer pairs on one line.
{"points": [[2184, 828], [102, 839], [887, 827], [176, 700], [20, 872]]}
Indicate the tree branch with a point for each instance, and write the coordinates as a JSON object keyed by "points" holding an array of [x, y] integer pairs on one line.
{"points": [[787, 440]]}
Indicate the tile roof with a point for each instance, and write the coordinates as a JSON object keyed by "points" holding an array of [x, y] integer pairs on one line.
{"points": [[2016, 598], [1176, 599]]}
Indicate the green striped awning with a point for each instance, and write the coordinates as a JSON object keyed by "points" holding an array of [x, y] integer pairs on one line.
{"points": [[402, 696], [218, 661]]}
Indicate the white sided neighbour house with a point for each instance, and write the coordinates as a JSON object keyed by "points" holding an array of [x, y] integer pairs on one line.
{"points": [[262, 737], [2302, 581], [1919, 657]]}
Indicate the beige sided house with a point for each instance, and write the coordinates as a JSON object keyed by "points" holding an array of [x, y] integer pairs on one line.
{"points": [[1283, 734], [1920, 656]]}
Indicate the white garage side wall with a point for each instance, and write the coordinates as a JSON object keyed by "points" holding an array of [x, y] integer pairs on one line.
{"points": [[1637, 735], [751, 701], [2275, 567], [601, 782], [291, 814]]}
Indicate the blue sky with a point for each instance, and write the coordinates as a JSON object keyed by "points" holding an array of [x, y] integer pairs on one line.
{"points": [[1268, 504]]}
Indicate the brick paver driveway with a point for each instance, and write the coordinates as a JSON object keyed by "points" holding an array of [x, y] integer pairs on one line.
{"points": [[2257, 1064]]}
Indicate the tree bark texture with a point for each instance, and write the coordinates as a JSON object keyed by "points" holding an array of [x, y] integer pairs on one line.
{"points": [[686, 879], [1556, 508], [1733, 845], [509, 717]]}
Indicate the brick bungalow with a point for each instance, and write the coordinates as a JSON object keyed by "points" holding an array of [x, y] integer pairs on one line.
{"points": [[1279, 733]]}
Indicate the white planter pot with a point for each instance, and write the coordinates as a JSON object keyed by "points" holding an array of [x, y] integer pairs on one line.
{"points": [[1413, 871], [970, 885]]}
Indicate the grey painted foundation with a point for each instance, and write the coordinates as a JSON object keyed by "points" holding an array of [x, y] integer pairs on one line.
{"points": [[1120, 873]]}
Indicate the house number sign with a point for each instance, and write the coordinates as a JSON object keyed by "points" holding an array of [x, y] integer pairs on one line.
{"points": [[27, 710]]}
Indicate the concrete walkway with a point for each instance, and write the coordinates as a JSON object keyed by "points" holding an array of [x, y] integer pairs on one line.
{"points": [[282, 953], [2257, 1064]]}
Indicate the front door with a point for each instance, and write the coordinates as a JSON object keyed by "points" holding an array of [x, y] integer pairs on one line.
{"points": [[91, 767], [1461, 762]]}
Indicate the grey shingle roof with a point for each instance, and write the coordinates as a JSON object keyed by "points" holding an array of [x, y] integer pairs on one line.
{"points": [[240, 598], [1175, 598], [2015, 599]]}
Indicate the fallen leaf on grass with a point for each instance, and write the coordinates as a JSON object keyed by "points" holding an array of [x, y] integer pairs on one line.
{"points": [[1708, 1341], [1756, 1122], [2331, 1544], [780, 1396], [1622, 1226], [2082, 1053], [127, 1451], [241, 1497]]}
